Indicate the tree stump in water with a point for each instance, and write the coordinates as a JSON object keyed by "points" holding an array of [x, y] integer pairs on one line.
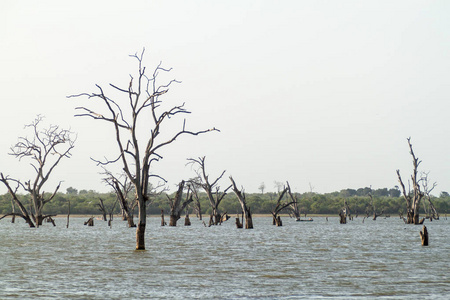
{"points": [[187, 221], [89, 222], [424, 236], [238, 223], [343, 218]]}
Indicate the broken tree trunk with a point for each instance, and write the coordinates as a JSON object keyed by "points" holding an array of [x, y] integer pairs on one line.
{"points": [[343, 218], [187, 221], [424, 236], [245, 209], [89, 222]]}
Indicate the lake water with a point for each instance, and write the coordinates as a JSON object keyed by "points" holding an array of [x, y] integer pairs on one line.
{"points": [[301, 260]]}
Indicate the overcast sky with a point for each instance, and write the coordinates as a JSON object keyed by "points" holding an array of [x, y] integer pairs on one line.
{"points": [[322, 94]]}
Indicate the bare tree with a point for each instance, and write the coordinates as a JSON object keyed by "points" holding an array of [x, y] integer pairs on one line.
{"points": [[102, 208], [212, 190], [279, 207], [431, 211], [293, 208], [45, 149], [245, 209], [371, 209], [138, 149], [197, 205], [412, 197], [177, 205], [122, 188]]}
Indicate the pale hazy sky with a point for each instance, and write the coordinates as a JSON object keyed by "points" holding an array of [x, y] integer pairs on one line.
{"points": [[313, 92]]}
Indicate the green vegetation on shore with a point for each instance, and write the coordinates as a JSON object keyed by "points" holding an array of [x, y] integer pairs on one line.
{"points": [[387, 200]]}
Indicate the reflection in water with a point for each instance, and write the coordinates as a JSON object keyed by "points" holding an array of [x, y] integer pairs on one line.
{"points": [[301, 260]]}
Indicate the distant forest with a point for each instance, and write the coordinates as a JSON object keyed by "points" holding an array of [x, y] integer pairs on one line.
{"points": [[387, 200]]}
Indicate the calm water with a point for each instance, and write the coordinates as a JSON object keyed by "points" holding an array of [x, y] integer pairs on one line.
{"points": [[301, 260]]}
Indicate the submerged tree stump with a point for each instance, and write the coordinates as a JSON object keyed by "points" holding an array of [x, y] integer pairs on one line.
{"points": [[238, 223], [89, 222], [424, 236], [187, 221], [343, 218]]}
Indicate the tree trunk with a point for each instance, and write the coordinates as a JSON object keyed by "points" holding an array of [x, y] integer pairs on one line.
{"points": [[187, 221], [217, 218], [238, 223], [248, 222], [140, 236], [140, 229], [424, 236], [39, 219], [68, 215], [279, 223], [130, 221], [173, 220], [343, 218]]}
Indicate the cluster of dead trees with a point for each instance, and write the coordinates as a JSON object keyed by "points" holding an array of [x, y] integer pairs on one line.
{"points": [[138, 149]]}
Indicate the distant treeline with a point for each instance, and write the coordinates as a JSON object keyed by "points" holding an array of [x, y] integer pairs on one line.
{"points": [[387, 200]]}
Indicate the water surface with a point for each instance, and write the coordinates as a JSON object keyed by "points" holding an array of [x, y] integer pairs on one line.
{"points": [[301, 260]]}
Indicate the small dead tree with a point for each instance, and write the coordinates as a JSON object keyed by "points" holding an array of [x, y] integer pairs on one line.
{"points": [[122, 188], [370, 209], [280, 205], [139, 141], [46, 148], [424, 236], [413, 197], [293, 208], [245, 209], [211, 188], [102, 208], [197, 205], [177, 205], [431, 211]]}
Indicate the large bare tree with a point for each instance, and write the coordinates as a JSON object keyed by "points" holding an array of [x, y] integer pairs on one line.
{"points": [[139, 142], [413, 197], [45, 149], [211, 188]]}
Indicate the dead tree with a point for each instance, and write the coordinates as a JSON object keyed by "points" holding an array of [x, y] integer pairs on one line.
{"points": [[177, 205], [138, 145], [211, 188], [45, 149], [371, 210], [102, 208], [279, 207], [431, 211], [412, 197], [122, 188], [245, 209], [424, 236], [13, 192], [68, 213], [197, 206], [293, 208]]}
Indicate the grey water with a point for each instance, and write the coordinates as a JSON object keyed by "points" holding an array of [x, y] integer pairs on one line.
{"points": [[300, 260]]}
